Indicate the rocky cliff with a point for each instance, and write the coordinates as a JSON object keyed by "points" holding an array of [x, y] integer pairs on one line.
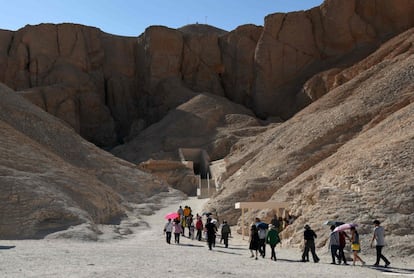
{"points": [[52, 179], [348, 156], [102, 85]]}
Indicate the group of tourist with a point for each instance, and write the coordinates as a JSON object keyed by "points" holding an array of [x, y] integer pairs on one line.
{"points": [[337, 243], [177, 225], [196, 227], [262, 234]]}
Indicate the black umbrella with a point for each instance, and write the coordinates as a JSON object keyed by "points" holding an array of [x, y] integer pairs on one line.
{"points": [[335, 223], [262, 225]]}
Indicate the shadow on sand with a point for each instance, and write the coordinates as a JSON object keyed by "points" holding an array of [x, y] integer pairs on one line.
{"points": [[288, 261], [224, 250], [4, 247], [189, 245], [394, 270], [220, 249], [234, 247]]}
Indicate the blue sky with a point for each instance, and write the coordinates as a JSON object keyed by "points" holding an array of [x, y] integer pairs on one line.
{"points": [[130, 18]]}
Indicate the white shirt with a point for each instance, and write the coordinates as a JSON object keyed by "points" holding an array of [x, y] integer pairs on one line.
{"points": [[168, 227], [379, 235]]}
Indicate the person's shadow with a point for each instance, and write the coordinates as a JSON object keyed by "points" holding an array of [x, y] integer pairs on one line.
{"points": [[395, 270], [5, 247]]}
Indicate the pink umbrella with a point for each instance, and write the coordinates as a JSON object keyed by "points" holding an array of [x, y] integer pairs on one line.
{"points": [[345, 226], [172, 215]]}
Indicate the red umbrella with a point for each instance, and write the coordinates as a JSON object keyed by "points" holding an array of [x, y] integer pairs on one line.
{"points": [[172, 215], [345, 226]]}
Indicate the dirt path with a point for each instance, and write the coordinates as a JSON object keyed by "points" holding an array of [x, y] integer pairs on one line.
{"points": [[146, 254]]}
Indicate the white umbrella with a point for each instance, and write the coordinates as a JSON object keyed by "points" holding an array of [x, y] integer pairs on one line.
{"points": [[345, 226]]}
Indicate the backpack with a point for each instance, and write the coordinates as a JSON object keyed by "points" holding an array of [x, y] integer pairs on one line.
{"points": [[262, 233]]}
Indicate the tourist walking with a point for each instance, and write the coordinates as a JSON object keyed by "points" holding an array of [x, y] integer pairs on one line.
{"points": [[184, 221], [334, 245], [272, 238], [190, 225], [262, 240], [168, 228], [254, 241], [177, 231], [379, 237], [225, 233], [355, 246], [309, 237], [211, 230], [199, 228], [192, 230], [180, 211]]}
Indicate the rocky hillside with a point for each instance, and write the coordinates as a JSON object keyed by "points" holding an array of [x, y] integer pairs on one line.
{"points": [[205, 121], [349, 156], [52, 179], [102, 85]]}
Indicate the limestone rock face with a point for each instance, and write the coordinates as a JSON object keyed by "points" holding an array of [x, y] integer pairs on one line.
{"points": [[238, 48], [344, 157], [205, 121], [176, 173], [295, 46], [105, 83], [326, 81], [177, 63], [161, 54], [202, 63], [71, 72], [52, 179]]}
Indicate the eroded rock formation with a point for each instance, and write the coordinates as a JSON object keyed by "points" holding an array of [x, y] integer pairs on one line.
{"points": [[205, 121], [102, 84], [347, 156], [52, 179]]}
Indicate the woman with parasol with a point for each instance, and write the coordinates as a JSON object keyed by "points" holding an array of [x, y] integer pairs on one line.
{"points": [[355, 246]]}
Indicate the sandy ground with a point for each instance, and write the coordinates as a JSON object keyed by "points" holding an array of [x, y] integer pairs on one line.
{"points": [[146, 254]]}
